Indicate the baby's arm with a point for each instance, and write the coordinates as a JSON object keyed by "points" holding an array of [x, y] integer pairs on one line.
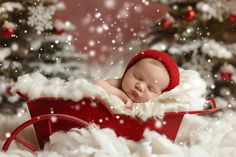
{"points": [[112, 86]]}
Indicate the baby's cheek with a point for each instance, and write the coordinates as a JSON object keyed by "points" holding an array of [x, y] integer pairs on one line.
{"points": [[125, 87], [129, 82], [154, 95]]}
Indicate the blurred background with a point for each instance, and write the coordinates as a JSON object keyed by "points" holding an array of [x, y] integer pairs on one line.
{"points": [[108, 26]]}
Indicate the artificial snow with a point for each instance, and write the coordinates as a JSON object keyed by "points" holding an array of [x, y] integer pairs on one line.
{"points": [[200, 137], [210, 47], [209, 8], [215, 49], [216, 9], [4, 52], [67, 26], [188, 95], [10, 7]]}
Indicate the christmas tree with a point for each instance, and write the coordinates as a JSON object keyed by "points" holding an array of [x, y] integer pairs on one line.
{"points": [[201, 35], [32, 39]]}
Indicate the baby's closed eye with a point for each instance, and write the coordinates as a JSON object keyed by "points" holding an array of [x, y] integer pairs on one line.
{"points": [[152, 89], [138, 77]]}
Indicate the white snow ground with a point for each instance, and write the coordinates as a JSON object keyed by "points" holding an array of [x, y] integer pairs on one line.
{"points": [[198, 137]]}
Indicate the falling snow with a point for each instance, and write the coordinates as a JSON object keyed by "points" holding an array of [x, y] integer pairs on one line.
{"points": [[109, 4]]}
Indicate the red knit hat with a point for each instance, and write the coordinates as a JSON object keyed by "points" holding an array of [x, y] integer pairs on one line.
{"points": [[165, 59]]}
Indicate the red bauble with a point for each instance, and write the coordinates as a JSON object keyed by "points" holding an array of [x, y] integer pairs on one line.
{"points": [[225, 76], [226, 71], [7, 32], [8, 91], [189, 15], [58, 31], [232, 18], [166, 23]]}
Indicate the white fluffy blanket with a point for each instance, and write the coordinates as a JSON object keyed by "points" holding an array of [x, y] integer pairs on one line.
{"points": [[189, 95]]}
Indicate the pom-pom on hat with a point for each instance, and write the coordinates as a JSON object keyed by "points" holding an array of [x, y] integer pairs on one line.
{"points": [[165, 59]]}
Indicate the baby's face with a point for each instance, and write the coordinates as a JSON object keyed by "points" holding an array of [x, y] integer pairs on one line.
{"points": [[144, 80]]}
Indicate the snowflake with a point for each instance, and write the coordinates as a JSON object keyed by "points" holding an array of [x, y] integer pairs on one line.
{"points": [[41, 18]]}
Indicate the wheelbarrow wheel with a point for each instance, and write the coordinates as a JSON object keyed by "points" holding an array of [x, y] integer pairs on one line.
{"points": [[49, 118]]}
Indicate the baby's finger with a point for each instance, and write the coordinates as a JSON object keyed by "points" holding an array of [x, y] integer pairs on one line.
{"points": [[129, 104]]}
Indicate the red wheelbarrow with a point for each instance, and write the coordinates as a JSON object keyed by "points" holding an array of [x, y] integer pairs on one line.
{"points": [[50, 115]]}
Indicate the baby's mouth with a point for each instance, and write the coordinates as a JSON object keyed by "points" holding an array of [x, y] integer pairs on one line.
{"points": [[135, 94]]}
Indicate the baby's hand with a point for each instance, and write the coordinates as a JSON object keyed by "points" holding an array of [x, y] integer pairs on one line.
{"points": [[111, 86], [129, 104], [127, 101]]}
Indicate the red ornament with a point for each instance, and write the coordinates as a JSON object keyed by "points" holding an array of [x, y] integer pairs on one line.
{"points": [[189, 15], [7, 31], [232, 18], [8, 91], [166, 23], [58, 30], [226, 71]]}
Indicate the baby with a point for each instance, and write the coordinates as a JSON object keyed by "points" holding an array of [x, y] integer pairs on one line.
{"points": [[148, 75]]}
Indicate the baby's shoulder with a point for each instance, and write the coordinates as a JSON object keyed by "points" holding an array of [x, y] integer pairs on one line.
{"points": [[116, 82]]}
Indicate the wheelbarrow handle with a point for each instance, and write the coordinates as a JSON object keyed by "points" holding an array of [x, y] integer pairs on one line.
{"points": [[213, 109], [23, 96]]}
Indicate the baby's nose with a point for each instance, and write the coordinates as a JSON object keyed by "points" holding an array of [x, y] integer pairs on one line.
{"points": [[140, 87]]}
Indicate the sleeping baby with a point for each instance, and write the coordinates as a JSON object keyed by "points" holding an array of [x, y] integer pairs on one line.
{"points": [[148, 75]]}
